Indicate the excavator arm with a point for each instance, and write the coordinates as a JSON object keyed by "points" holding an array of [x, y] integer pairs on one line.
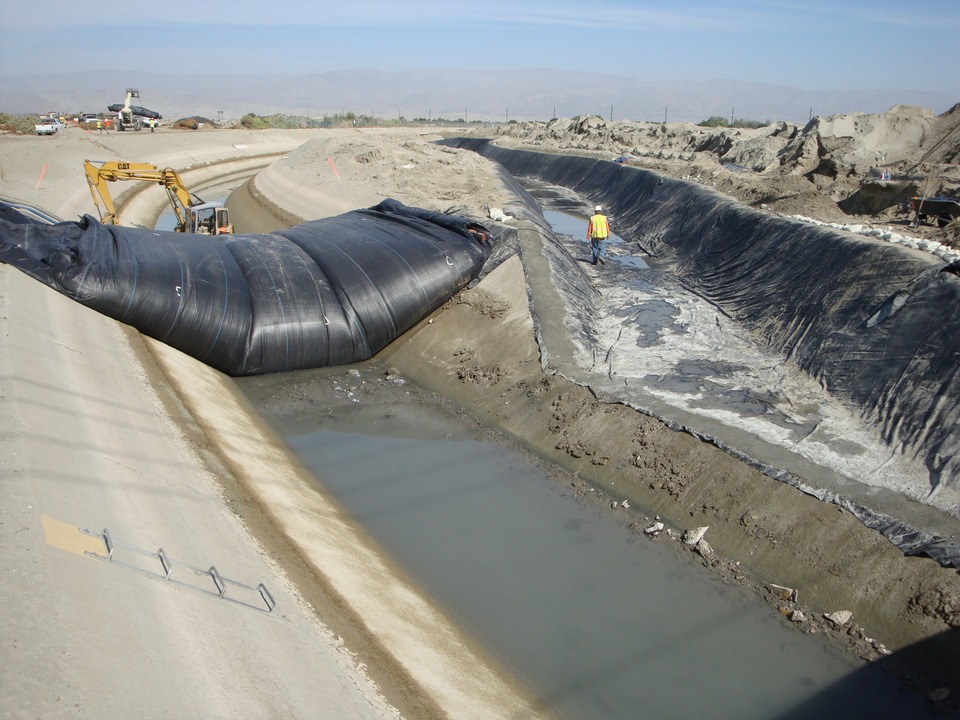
{"points": [[100, 173]]}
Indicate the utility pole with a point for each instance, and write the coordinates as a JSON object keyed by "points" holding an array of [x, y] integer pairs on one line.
{"points": [[731, 117], [611, 113], [506, 116], [665, 114]]}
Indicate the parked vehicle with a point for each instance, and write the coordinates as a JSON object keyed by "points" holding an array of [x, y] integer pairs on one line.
{"points": [[49, 126], [940, 209]]}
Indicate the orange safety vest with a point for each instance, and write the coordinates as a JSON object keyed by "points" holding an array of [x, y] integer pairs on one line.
{"points": [[599, 229]]}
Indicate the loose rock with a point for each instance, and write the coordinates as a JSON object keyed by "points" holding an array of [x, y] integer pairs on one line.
{"points": [[839, 618], [692, 537], [784, 593]]}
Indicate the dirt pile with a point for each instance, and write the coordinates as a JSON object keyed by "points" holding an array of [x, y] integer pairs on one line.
{"points": [[330, 175], [835, 169], [197, 122]]}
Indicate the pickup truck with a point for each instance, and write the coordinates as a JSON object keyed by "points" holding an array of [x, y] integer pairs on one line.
{"points": [[49, 126]]}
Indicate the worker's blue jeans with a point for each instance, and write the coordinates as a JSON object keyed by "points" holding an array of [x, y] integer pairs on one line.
{"points": [[598, 248]]}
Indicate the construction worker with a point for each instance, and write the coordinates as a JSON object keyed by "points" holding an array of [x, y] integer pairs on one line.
{"points": [[100, 126], [598, 230]]}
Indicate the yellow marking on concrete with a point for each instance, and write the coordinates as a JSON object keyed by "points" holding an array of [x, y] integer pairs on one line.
{"points": [[66, 537]]}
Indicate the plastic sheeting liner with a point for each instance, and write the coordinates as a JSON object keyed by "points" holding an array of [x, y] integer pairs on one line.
{"points": [[327, 292], [876, 324]]}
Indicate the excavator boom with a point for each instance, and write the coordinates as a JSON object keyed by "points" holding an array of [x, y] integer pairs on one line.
{"points": [[193, 215]]}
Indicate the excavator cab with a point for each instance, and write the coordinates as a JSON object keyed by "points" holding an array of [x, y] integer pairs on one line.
{"points": [[208, 219]]}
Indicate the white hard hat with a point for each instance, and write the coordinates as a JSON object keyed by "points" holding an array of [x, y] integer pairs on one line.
{"points": [[598, 209]]}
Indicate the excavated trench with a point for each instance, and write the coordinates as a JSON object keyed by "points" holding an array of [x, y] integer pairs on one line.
{"points": [[832, 363], [582, 592], [598, 621]]}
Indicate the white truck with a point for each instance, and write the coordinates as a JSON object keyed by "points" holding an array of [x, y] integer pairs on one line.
{"points": [[49, 126]]}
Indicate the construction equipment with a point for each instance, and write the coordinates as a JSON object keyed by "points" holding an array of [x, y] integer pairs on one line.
{"points": [[49, 125], [129, 116], [942, 209], [193, 215]]}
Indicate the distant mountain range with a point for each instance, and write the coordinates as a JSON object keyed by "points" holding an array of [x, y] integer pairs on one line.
{"points": [[536, 94]]}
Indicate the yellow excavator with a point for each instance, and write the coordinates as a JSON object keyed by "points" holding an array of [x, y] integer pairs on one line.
{"points": [[193, 215]]}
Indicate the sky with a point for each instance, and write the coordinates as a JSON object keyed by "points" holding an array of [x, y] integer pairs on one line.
{"points": [[815, 44]]}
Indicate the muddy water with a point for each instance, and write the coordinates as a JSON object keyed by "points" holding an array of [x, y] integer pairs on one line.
{"points": [[601, 622], [573, 226], [657, 346]]}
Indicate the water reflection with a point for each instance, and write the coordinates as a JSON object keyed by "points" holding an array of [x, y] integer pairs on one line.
{"points": [[574, 227]]}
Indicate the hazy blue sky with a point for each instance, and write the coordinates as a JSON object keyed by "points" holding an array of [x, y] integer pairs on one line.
{"points": [[817, 44]]}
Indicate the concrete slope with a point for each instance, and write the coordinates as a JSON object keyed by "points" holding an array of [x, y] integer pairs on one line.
{"points": [[90, 443], [104, 429]]}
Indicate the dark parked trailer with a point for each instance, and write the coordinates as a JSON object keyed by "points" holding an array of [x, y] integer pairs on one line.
{"points": [[943, 209]]}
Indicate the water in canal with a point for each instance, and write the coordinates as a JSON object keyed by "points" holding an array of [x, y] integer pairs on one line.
{"points": [[601, 622]]}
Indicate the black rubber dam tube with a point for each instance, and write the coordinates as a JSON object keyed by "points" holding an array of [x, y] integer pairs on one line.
{"points": [[327, 292]]}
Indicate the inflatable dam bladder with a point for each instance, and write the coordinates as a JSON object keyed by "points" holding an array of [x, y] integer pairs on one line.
{"points": [[875, 325], [327, 292]]}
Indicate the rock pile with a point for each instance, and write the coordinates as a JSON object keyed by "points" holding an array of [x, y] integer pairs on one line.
{"points": [[858, 164]]}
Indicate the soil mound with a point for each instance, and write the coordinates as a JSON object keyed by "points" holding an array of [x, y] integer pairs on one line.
{"points": [[863, 166], [197, 122]]}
